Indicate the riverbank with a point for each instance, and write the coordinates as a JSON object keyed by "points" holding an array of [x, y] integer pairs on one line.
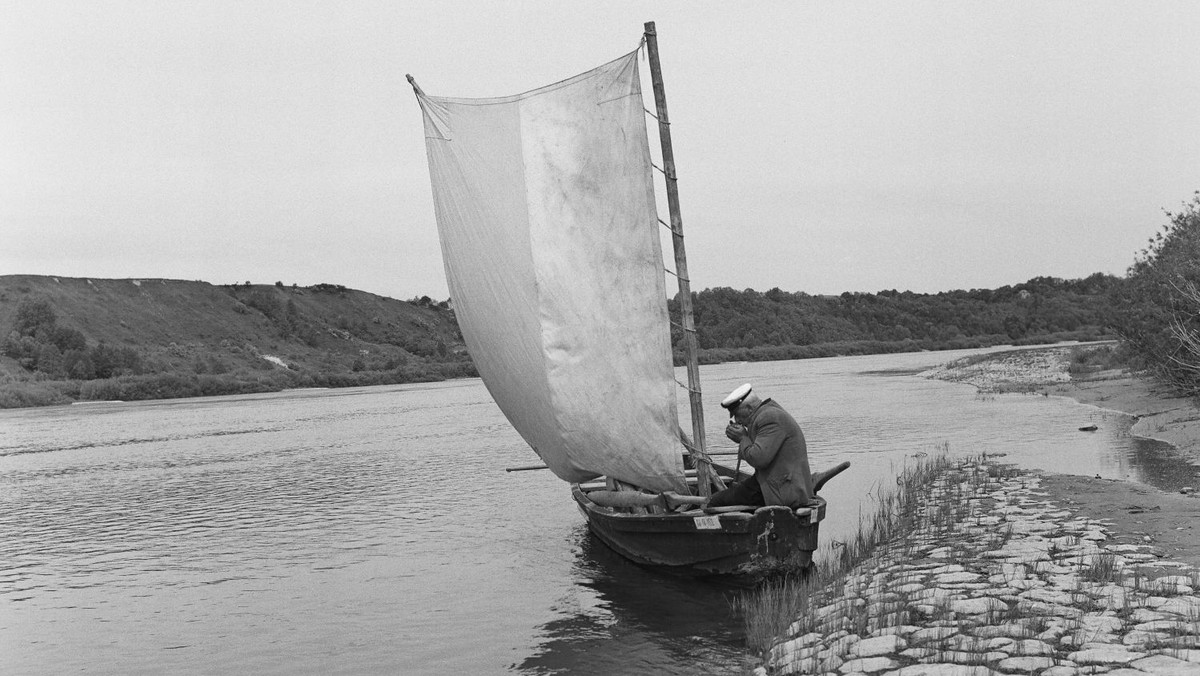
{"points": [[998, 577], [1022, 572], [1159, 414], [1136, 512]]}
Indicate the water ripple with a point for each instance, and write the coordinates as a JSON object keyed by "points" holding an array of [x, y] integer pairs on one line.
{"points": [[375, 530]]}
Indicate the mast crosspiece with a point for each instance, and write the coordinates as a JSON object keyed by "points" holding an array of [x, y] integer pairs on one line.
{"points": [[681, 327], [674, 274]]}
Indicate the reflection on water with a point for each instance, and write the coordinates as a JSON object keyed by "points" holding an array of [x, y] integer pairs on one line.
{"points": [[1158, 464], [663, 623], [374, 530]]}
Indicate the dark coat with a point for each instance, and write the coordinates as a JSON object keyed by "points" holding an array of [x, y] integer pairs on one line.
{"points": [[774, 446]]}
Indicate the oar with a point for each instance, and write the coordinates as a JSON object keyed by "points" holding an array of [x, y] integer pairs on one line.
{"points": [[624, 499], [524, 468]]}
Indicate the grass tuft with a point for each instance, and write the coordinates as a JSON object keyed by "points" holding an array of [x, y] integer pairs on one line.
{"points": [[929, 497], [1103, 569]]}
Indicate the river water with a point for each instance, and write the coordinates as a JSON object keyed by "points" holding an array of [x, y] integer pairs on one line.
{"points": [[375, 531]]}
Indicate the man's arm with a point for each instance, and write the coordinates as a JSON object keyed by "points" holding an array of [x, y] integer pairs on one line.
{"points": [[767, 441]]}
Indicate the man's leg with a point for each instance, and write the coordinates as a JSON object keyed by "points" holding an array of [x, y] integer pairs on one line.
{"points": [[746, 492]]}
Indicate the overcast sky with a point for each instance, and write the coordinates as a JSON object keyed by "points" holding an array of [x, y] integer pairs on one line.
{"points": [[821, 146]]}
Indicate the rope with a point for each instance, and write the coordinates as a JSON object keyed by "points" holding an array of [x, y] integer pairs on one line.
{"points": [[700, 457], [696, 452]]}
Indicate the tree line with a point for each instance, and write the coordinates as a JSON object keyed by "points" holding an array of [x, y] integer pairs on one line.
{"points": [[731, 325], [754, 325], [1154, 311]]}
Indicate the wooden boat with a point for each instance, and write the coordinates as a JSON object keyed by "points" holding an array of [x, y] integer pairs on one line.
{"points": [[746, 541], [549, 228]]}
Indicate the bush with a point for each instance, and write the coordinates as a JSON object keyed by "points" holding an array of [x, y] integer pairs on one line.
{"points": [[172, 386], [25, 394], [1092, 358], [1157, 311]]}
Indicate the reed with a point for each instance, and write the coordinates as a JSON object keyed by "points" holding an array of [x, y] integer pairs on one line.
{"points": [[1103, 569], [932, 503], [928, 497]]}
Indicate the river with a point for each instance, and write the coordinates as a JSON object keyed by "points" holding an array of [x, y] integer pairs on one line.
{"points": [[375, 530]]}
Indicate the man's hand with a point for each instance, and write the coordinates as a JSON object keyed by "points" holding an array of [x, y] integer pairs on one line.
{"points": [[735, 432]]}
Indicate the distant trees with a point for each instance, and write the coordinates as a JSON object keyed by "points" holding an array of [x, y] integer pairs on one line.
{"points": [[328, 288], [40, 344], [427, 302], [1043, 308]]}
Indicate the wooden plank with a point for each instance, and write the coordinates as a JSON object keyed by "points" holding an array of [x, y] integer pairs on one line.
{"points": [[624, 499], [730, 508]]}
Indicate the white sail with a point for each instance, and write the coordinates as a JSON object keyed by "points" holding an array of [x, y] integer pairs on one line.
{"points": [[545, 208]]}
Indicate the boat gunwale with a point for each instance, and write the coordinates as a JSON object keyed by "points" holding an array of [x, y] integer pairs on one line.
{"points": [[742, 519]]}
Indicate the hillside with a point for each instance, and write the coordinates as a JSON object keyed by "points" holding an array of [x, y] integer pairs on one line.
{"points": [[65, 339], [148, 338]]}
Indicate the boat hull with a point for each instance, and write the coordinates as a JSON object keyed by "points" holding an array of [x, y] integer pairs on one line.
{"points": [[767, 540]]}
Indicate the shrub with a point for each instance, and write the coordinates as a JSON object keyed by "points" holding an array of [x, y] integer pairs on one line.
{"points": [[25, 394], [172, 386], [1157, 310]]}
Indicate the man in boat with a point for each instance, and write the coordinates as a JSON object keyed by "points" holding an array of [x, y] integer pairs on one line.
{"points": [[770, 440]]}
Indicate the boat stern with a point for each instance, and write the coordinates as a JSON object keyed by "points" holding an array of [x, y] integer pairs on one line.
{"points": [[785, 539]]}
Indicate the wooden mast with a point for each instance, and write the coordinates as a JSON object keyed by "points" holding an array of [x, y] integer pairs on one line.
{"points": [[700, 457]]}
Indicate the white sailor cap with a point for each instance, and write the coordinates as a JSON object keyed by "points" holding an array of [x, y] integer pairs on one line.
{"points": [[735, 397]]}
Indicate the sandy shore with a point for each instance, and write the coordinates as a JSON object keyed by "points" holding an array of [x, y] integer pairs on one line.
{"points": [[1160, 414], [1137, 514]]}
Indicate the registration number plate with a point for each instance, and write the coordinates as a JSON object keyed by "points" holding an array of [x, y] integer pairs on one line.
{"points": [[708, 523]]}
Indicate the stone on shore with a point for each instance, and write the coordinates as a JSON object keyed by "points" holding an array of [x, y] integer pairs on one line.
{"points": [[1165, 665], [1025, 665], [879, 645], [1011, 585]]}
